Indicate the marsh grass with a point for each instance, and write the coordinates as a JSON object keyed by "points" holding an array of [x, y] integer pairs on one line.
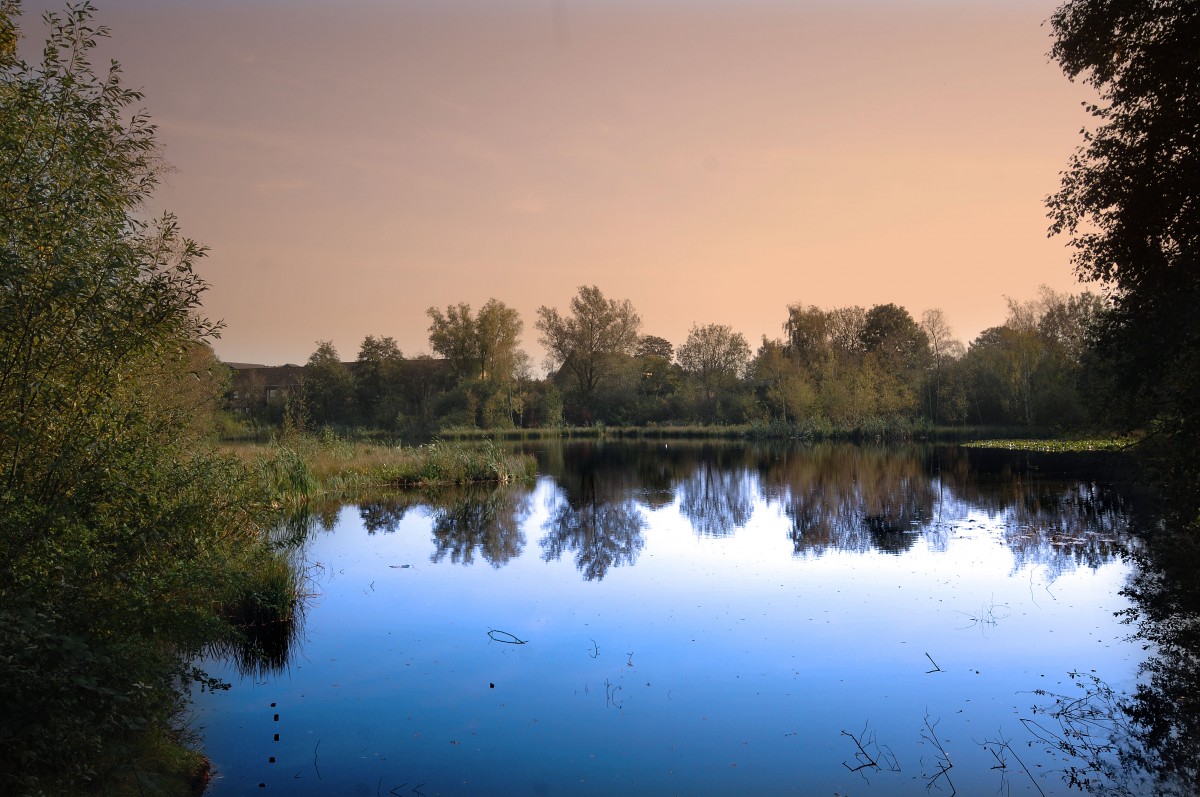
{"points": [[267, 616], [302, 468]]}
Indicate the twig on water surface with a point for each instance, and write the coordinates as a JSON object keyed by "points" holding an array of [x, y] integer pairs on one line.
{"points": [[610, 693], [395, 790], [506, 638], [630, 661], [988, 616], [865, 742], [999, 747], [595, 651], [936, 668], [317, 768], [941, 760]]}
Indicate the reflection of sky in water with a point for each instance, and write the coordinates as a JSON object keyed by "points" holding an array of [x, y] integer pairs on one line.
{"points": [[721, 658]]}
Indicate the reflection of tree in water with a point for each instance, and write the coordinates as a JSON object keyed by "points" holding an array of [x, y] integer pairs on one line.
{"points": [[716, 500], [1147, 741], [299, 523], [384, 516], [1075, 525], [1165, 706], [483, 521], [1057, 511], [851, 498], [601, 525]]}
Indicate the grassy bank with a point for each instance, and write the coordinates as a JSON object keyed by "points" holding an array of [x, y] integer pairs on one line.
{"points": [[301, 468]]}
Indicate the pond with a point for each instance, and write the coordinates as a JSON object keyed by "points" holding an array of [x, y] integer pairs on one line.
{"points": [[710, 619]]}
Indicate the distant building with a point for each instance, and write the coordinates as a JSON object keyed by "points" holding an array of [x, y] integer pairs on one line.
{"points": [[254, 386]]}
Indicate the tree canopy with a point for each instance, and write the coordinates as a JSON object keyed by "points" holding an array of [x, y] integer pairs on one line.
{"points": [[590, 340], [1128, 202]]}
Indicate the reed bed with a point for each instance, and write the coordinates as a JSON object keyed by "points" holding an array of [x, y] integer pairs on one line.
{"points": [[300, 469]]}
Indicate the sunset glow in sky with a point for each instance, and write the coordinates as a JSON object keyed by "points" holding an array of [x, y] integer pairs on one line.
{"points": [[350, 165]]}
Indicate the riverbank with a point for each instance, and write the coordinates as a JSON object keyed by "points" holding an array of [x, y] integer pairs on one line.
{"points": [[300, 468]]}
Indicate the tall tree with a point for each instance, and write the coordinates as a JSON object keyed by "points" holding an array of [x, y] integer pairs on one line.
{"points": [[452, 335], [328, 385], [498, 330], [942, 348], [591, 340], [807, 331], [1129, 202], [715, 355], [376, 380], [483, 346]]}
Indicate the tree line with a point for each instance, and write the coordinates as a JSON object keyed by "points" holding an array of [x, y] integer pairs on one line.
{"points": [[829, 370]]}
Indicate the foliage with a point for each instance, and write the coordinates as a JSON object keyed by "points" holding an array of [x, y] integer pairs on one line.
{"points": [[714, 354], [1128, 201], [592, 340], [328, 386], [120, 537], [377, 379]]}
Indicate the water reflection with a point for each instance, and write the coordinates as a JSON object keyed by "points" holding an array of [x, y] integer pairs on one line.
{"points": [[1053, 510], [717, 500], [595, 514], [778, 529], [482, 521], [1164, 709], [1058, 511], [851, 498], [384, 515]]}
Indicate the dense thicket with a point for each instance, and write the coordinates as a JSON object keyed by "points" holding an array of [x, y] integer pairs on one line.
{"points": [[120, 539]]}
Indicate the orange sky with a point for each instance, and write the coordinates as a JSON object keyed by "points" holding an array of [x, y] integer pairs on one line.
{"points": [[351, 165]]}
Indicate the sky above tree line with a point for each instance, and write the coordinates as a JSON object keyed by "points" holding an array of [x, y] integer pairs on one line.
{"points": [[352, 164]]}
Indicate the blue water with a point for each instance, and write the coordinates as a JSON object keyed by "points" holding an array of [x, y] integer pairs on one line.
{"points": [[717, 621]]}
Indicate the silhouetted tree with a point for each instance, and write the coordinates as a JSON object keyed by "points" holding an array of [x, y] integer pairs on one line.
{"points": [[1130, 202]]}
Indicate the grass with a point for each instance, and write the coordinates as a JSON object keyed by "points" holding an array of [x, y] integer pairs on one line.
{"points": [[302, 468]]}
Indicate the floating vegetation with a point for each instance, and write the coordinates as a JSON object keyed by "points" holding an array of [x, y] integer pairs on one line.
{"points": [[1057, 446], [506, 638]]}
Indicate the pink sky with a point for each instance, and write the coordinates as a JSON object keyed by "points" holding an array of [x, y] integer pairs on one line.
{"points": [[350, 165]]}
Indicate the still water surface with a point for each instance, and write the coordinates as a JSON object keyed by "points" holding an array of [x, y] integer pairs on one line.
{"points": [[698, 620]]}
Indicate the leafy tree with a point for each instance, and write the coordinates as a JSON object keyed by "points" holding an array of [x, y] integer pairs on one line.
{"points": [[591, 341], [654, 346], [482, 350], [452, 335], [715, 355], [845, 325], [482, 346], [1128, 201], [121, 535], [807, 335], [943, 348], [376, 381], [900, 348], [328, 385]]}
